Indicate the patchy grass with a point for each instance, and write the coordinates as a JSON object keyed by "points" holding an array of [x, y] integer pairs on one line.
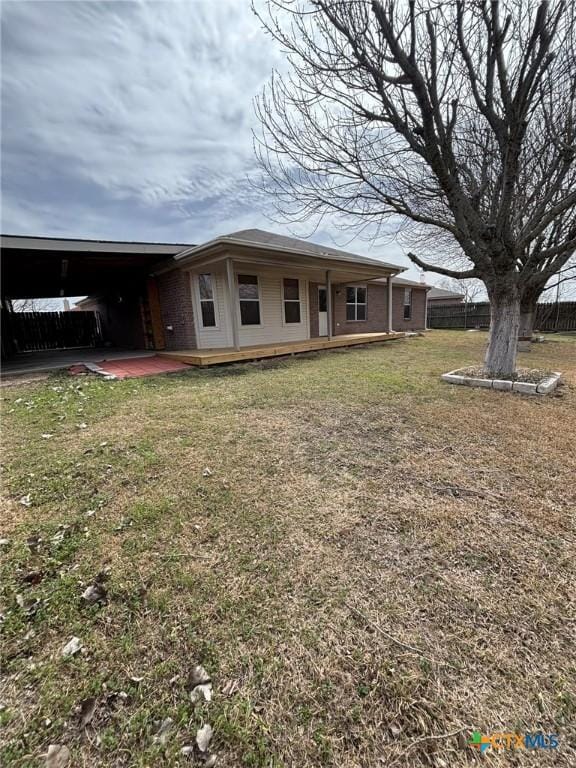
{"points": [[375, 559]]}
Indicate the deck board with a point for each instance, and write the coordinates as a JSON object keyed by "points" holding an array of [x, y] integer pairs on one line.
{"points": [[204, 357]]}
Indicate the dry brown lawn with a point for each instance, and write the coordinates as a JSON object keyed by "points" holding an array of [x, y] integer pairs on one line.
{"points": [[375, 565]]}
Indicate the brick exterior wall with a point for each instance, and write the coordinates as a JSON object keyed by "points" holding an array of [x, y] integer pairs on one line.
{"points": [[377, 310], [174, 290], [418, 320]]}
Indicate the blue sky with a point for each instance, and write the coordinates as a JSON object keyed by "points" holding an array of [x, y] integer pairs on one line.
{"points": [[132, 121]]}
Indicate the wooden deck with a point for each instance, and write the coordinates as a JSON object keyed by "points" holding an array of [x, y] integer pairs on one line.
{"points": [[203, 357]]}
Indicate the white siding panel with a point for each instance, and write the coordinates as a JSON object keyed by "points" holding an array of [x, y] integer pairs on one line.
{"points": [[273, 328], [222, 335]]}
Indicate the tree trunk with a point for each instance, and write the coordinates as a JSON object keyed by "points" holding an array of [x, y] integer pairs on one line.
{"points": [[503, 338], [526, 328], [528, 307]]}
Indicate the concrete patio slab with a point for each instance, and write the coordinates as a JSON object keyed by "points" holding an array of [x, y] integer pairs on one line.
{"points": [[56, 359]]}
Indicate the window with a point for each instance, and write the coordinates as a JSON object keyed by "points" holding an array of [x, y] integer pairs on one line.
{"points": [[291, 300], [407, 303], [207, 307], [322, 300], [356, 302], [249, 296]]}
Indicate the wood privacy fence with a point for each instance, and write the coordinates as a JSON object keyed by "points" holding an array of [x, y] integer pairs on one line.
{"points": [[554, 316], [32, 331]]}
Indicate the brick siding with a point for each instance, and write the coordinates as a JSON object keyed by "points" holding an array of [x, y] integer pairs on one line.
{"points": [[418, 320], [176, 302], [377, 310]]}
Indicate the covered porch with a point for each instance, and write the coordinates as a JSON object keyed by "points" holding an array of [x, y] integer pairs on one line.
{"points": [[261, 299], [206, 357]]}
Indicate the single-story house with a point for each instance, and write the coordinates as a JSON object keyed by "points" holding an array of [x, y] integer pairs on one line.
{"points": [[254, 287], [238, 292], [442, 296]]}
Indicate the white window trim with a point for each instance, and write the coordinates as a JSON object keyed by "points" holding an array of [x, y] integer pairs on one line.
{"points": [[356, 303], [198, 298], [239, 314], [293, 301]]}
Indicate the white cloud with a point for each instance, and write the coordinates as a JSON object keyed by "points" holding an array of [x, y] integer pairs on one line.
{"points": [[145, 99], [132, 120]]}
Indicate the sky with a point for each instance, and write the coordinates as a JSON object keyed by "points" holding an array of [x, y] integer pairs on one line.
{"points": [[133, 121]]}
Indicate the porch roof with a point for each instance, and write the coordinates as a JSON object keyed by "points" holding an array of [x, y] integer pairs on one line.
{"points": [[255, 245]]}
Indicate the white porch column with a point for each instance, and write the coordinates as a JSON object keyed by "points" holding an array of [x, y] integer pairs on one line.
{"points": [[232, 304], [389, 287], [329, 303]]}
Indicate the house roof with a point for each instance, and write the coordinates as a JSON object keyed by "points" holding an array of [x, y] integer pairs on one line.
{"points": [[269, 241], [442, 293]]}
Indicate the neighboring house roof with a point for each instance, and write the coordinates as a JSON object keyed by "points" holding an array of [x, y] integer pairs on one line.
{"points": [[404, 282], [258, 238], [84, 301], [442, 293]]}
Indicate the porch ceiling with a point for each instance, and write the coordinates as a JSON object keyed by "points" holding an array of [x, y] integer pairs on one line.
{"points": [[44, 267]]}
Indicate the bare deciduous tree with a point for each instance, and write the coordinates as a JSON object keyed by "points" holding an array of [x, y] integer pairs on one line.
{"points": [[454, 117], [470, 288], [37, 305]]}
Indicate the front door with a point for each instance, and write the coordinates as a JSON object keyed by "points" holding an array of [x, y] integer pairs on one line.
{"points": [[322, 311]]}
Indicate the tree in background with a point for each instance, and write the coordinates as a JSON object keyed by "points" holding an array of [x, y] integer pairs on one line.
{"points": [[37, 305], [471, 290], [455, 118], [535, 293]]}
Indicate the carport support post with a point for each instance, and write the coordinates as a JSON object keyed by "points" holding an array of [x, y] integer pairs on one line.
{"points": [[232, 303], [329, 304], [389, 301]]}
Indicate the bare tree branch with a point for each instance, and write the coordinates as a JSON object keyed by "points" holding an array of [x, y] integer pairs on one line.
{"points": [[452, 121]]}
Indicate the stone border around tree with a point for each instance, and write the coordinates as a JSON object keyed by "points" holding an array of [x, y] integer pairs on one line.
{"points": [[543, 387]]}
